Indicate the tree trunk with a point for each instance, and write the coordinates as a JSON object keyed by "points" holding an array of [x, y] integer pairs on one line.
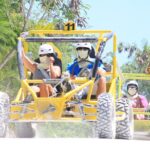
{"points": [[7, 58], [28, 15]]}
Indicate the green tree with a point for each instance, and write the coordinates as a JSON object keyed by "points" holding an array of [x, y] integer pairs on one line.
{"points": [[17, 16]]}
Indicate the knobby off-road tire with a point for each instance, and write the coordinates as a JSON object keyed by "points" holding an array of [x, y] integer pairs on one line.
{"points": [[4, 113], [105, 124], [24, 130], [125, 127]]}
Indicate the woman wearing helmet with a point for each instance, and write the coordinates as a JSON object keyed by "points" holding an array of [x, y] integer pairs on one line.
{"points": [[84, 60], [47, 62], [132, 88], [138, 101]]}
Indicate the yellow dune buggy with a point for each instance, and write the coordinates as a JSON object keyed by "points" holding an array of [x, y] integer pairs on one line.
{"points": [[110, 118]]}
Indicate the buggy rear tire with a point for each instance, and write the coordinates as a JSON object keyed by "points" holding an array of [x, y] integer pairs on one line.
{"points": [[105, 124], [4, 111], [124, 127], [24, 130]]}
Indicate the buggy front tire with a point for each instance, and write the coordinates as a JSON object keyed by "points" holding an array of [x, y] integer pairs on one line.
{"points": [[24, 130], [124, 126], [4, 111], [105, 124]]}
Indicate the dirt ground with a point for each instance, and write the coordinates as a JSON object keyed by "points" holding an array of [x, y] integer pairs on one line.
{"points": [[137, 135], [141, 136]]}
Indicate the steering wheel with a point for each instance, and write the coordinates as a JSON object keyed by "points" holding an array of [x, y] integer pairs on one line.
{"points": [[85, 72]]}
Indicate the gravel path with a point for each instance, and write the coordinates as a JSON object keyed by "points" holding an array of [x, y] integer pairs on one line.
{"points": [[137, 135], [141, 136]]}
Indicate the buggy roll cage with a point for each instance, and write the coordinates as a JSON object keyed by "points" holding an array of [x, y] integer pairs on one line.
{"points": [[101, 40]]}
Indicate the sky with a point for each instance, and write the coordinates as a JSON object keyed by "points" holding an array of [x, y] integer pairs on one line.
{"points": [[129, 19]]}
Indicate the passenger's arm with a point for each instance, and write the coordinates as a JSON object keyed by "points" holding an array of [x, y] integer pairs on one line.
{"points": [[144, 101], [55, 71], [29, 64]]}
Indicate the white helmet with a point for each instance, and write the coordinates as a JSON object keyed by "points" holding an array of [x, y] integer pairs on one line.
{"points": [[81, 53], [84, 45], [46, 49], [132, 82]]}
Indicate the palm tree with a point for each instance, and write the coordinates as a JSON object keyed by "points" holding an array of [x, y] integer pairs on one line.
{"points": [[75, 6], [59, 11]]}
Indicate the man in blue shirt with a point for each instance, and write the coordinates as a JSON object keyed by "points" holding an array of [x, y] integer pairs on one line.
{"points": [[83, 65]]}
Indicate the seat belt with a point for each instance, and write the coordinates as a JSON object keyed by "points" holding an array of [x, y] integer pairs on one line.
{"points": [[44, 73]]}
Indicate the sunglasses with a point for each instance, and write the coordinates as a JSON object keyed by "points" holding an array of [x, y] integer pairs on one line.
{"points": [[82, 48], [48, 55]]}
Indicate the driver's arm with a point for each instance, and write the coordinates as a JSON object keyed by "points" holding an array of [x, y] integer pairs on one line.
{"points": [[101, 71], [71, 70]]}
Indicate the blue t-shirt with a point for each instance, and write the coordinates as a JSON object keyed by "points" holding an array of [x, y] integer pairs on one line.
{"points": [[74, 68]]}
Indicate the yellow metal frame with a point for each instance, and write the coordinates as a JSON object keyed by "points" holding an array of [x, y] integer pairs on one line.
{"points": [[34, 111]]}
